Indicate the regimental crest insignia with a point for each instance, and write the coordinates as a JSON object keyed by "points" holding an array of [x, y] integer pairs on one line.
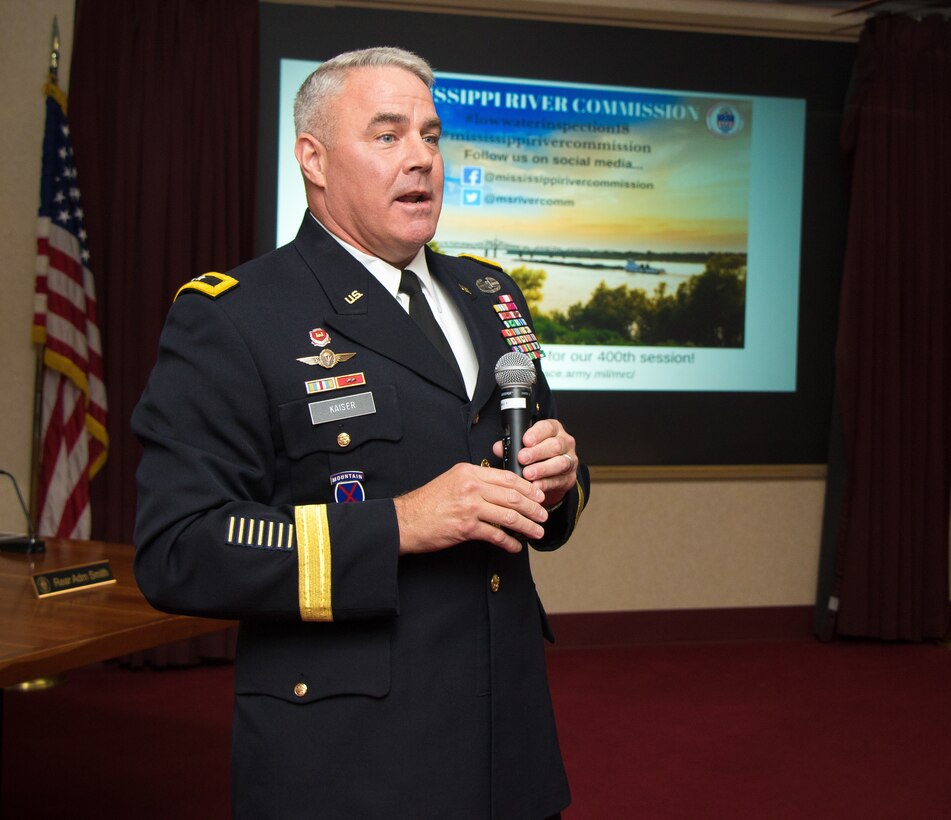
{"points": [[348, 486], [319, 337]]}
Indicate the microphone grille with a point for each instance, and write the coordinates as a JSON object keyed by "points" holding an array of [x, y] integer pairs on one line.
{"points": [[514, 369]]}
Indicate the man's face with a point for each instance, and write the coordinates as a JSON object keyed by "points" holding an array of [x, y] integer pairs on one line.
{"points": [[381, 178]]}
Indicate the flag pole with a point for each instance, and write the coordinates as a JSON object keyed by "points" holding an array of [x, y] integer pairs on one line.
{"points": [[35, 454], [37, 431], [54, 51]]}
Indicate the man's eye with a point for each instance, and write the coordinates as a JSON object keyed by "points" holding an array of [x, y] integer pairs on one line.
{"points": [[387, 138], [432, 139]]}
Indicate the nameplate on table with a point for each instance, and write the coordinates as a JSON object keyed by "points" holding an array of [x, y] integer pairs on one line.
{"points": [[72, 579]]}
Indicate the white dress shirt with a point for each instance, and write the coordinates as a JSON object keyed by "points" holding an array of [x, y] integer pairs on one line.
{"points": [[444, 309]]}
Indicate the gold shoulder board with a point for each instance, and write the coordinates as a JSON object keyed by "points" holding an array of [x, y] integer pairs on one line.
{"points": [[482, 260], [211, 284]]}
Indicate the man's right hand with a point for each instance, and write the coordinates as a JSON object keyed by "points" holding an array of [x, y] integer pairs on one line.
{"points": [[470, 503]]}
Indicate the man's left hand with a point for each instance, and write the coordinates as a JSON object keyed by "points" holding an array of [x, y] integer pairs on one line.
{"points": [[548, 459]]}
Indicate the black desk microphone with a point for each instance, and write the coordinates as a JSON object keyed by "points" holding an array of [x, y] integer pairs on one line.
{"points": [[21, 543]]}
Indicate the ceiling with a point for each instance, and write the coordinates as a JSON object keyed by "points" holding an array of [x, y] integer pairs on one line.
{"points": [[818, 19]]}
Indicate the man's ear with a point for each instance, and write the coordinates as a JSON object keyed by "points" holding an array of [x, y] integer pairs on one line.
{"points": [[312, 157]]}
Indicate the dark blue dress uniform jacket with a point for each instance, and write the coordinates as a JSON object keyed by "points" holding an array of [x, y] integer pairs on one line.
{"points": [[367, 686]]}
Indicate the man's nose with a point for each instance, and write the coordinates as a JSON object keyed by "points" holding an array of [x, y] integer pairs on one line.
{"points": [[420, 155]]}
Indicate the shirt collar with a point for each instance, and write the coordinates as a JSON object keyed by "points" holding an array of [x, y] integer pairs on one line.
{"points": [[384, 272]]}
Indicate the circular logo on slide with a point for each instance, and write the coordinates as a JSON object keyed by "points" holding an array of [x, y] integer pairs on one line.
{"points": [[724, 120]]}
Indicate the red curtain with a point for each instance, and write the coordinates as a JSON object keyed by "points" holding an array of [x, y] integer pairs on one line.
{"points": [[163, 111], [894, 351]]}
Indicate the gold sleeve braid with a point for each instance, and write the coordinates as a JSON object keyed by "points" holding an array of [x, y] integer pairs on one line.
{"points": [[581, 502], [313, 560]]}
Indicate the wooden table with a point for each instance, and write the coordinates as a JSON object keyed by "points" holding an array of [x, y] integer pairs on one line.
{"points": [[45, 637]]}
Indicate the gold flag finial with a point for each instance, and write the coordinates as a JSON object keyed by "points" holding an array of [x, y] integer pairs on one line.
{"points": [[54, 52]]}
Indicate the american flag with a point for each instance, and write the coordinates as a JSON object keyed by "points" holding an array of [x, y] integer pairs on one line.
{"points": [[74, 442]]}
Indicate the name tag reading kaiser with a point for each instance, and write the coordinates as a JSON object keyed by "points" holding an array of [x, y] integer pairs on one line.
{"points": [[360, 404]]}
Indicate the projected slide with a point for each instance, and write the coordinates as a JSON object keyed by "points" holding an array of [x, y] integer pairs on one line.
{"points": [[655, 233]]}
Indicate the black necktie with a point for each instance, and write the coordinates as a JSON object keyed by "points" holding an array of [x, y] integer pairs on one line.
{"points": [[420, 312]]}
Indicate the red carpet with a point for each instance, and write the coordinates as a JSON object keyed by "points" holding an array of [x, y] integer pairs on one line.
{"points": [[790, 730], [795, 730]]}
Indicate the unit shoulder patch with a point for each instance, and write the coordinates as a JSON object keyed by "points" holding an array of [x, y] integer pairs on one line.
{"points": [[211, 284], [481, 260]]}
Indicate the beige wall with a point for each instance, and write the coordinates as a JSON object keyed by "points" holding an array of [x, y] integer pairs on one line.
{"points": [[684, 544], [643, 544], [25, 27]]}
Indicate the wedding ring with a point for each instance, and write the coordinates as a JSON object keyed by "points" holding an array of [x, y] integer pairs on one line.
{"points": [[571, 462]]}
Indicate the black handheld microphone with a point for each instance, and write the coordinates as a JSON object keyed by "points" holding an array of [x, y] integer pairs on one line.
{"points": [[515, 374], [21, 543]]}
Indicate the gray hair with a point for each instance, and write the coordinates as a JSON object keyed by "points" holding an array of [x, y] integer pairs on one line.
{"points": [[327, 81]]}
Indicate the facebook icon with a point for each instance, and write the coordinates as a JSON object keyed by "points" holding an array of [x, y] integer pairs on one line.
{"points": [[471, 175]]}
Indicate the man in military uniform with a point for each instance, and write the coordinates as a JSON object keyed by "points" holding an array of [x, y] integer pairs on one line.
{"points": [[314, 467]]}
